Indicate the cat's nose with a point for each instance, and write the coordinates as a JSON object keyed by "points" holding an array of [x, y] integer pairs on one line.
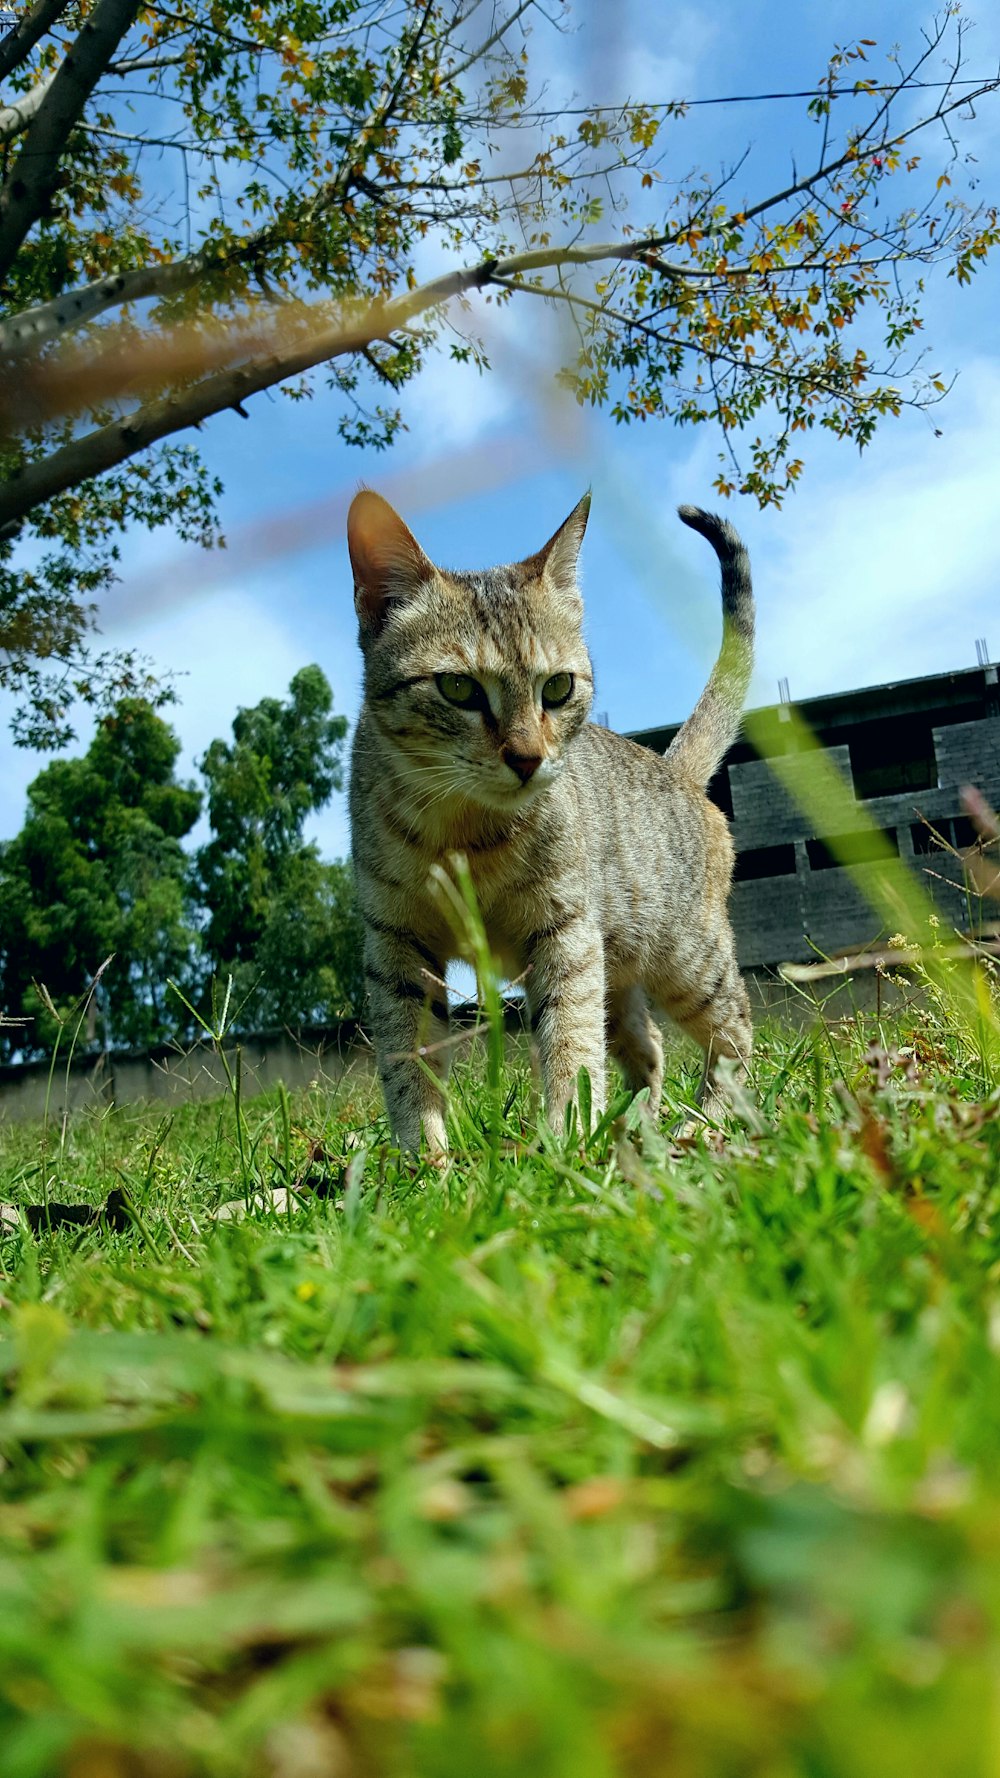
{"points": [[524, 764]]}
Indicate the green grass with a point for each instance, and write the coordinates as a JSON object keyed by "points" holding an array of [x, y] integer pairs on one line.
{"points": [[650, 1460]]}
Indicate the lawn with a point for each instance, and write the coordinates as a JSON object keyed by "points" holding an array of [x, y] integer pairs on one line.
{"points": [[575, 1460]]}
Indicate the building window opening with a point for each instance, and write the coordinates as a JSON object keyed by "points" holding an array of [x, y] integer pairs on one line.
{"points": [[892, 755], [764, 861], [851, 848], [927, 839], [963, 834], [953, 830]]}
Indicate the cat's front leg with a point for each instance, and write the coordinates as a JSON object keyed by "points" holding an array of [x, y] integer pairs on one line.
{"points": [[565, 991], [409, 1020]]}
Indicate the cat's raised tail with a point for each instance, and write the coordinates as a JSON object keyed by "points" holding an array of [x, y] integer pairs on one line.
{"points": [[701, 743]]}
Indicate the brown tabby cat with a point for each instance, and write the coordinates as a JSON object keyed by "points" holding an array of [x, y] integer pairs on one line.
{"points": [[601, 869]]}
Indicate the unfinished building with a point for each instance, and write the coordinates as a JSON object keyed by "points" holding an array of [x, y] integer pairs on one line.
{"points": [[905, 751]]}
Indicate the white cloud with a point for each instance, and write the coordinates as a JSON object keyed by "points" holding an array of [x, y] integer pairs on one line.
{"points": [[234, 648], [886, 568], [673, 69], [231, 651], [449, 405]]}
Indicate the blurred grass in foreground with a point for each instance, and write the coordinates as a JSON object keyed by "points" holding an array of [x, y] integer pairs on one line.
{"points": [[672, 1458]]}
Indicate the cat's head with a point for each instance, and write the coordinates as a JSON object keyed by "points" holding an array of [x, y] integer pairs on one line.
{"points": [[479, 680]]}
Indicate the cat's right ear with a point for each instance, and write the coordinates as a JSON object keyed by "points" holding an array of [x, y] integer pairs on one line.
{"points": [[562, 550], [387, 560]]}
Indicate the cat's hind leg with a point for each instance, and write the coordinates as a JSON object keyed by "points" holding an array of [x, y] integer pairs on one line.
{"points": [[565, 994], [635, 1042], [715, 1010]]}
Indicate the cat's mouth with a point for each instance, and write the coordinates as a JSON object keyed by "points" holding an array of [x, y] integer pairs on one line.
{"points": [[512, 792]]}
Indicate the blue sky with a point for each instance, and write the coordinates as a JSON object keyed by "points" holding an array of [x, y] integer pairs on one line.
{"points": [[879, 567]]}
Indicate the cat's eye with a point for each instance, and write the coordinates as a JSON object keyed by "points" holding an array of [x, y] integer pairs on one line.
{"points": [[557, 690], [460, 689]]}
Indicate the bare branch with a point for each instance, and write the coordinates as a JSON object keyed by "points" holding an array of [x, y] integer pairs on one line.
{"points": [[140, 64], [497, 37], [34, 328], [106, 134], [14, 119], [33, 177]]}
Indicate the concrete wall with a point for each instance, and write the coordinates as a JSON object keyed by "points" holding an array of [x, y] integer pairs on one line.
{"points": [[326, 1055], [764, 814], [767, 920], [968, 752], [165, 1077], [834, 997]]}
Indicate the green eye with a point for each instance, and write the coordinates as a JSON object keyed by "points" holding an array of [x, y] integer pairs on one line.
{"points": [[460, 689], [557, 690]]}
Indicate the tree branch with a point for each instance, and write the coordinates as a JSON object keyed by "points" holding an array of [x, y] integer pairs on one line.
{"points": [[206, 367], [34, 328], [14, 119], [780, 375], [886, 141], [274, 360], [497, 37], [141, 64], [110, 445], [21, 41], [33, 177], [61, 387]]}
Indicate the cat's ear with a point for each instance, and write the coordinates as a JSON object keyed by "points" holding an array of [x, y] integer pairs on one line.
{"points": [[387, 560], [559, 557]]}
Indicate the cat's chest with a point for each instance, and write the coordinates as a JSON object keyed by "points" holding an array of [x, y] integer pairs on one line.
{"points": [[504, 902], [511, 901]]}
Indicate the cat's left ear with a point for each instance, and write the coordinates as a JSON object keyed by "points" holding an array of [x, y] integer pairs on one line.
{"points": [[559, 556], [388, 562]]}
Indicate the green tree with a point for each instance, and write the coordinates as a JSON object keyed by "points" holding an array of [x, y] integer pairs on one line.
{"points": [[98, 870], [309, 963], [279, 920], [308, 149]]}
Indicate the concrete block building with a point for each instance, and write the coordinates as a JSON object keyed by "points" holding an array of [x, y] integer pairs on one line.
{"points": [[905, 751]]}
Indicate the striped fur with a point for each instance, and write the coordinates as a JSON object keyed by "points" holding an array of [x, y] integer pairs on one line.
{"points": [[602, 871], [702, 742]]}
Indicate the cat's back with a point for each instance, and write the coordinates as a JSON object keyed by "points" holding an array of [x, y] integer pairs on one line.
{"points": [[603, 761], [644, 819]]}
